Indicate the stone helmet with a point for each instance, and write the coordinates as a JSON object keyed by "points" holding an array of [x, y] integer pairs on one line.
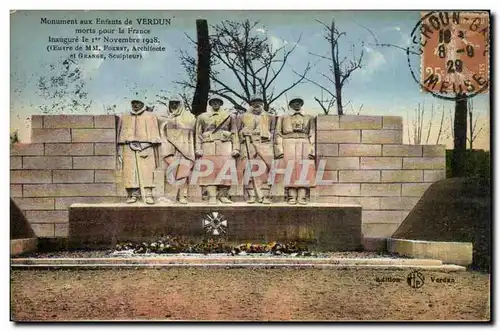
{"points": [[256, 98], [299, 99], [211, 101], [137, 104], [175, 98], [180, 107], [135, 101]]}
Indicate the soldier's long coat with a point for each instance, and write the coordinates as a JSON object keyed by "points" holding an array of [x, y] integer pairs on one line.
{"points": [[260, 146], [295, 141], [138, 126], [177, 135]]}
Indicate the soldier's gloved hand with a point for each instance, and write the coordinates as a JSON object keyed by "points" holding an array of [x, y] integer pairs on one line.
{"points": [[235, 153], [246, 133], [312, 153], [198, 153]]}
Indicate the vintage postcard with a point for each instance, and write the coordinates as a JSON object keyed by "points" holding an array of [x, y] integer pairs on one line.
{"points": [[328, 165]]}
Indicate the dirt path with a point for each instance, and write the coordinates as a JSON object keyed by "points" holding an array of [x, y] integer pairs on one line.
{"points": [[244, 294]]}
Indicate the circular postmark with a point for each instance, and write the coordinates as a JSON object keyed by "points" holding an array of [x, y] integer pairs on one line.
{"points": [[454, 53], [415, 279]]}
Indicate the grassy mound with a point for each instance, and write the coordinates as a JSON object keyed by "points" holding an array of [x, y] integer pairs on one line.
{"points": [[454, 209]]}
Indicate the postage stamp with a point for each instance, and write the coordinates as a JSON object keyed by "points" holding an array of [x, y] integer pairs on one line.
{"points": [[455, 52]]}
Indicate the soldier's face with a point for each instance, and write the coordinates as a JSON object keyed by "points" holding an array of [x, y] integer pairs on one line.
{"points": [[295, 105], [173, 105], [257, 107], [137, 105], [216, 105]]}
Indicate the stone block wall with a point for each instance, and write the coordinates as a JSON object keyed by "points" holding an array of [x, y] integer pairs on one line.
{"points": [[369, 165], [72, 158]]}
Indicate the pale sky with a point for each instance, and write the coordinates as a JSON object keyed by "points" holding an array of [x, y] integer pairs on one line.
{"points": [[384, 86]]}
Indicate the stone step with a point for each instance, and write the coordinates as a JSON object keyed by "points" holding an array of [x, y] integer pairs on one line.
{"points": [[21, 246], [449, 252], [440, 268], [226, 260]]}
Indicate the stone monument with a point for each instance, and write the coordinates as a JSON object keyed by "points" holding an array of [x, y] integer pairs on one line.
{"points": [[199, 152]]}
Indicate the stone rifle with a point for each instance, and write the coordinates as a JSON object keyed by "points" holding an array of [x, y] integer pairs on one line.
{"points": [[221, 124], [249, 167]]}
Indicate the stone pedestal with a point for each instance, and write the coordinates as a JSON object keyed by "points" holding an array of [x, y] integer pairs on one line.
{"points": [[323, 227]]}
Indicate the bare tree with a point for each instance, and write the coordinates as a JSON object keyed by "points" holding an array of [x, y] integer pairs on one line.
{"points": [[280, 109], [419, 130], [327, 103], [198, 102], [162, 98], [340, 69], [349, 107], [451, 120], [441, 131], [458, 165], [474, 131], [236, 47], [64, 89], [417, 124]]}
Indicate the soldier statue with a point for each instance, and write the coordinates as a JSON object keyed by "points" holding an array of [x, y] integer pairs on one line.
{"points": [[177, 149], [217, 141], [138, 138], [294, 144], [256, 141]]}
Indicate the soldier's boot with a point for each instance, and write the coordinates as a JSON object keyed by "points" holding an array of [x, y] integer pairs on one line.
{"points": [[212, 194], [224, 195], [251, 195], [302, 196], [131, 195], [266, 200], [292, 196], [149, 196], [183, 192]]}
